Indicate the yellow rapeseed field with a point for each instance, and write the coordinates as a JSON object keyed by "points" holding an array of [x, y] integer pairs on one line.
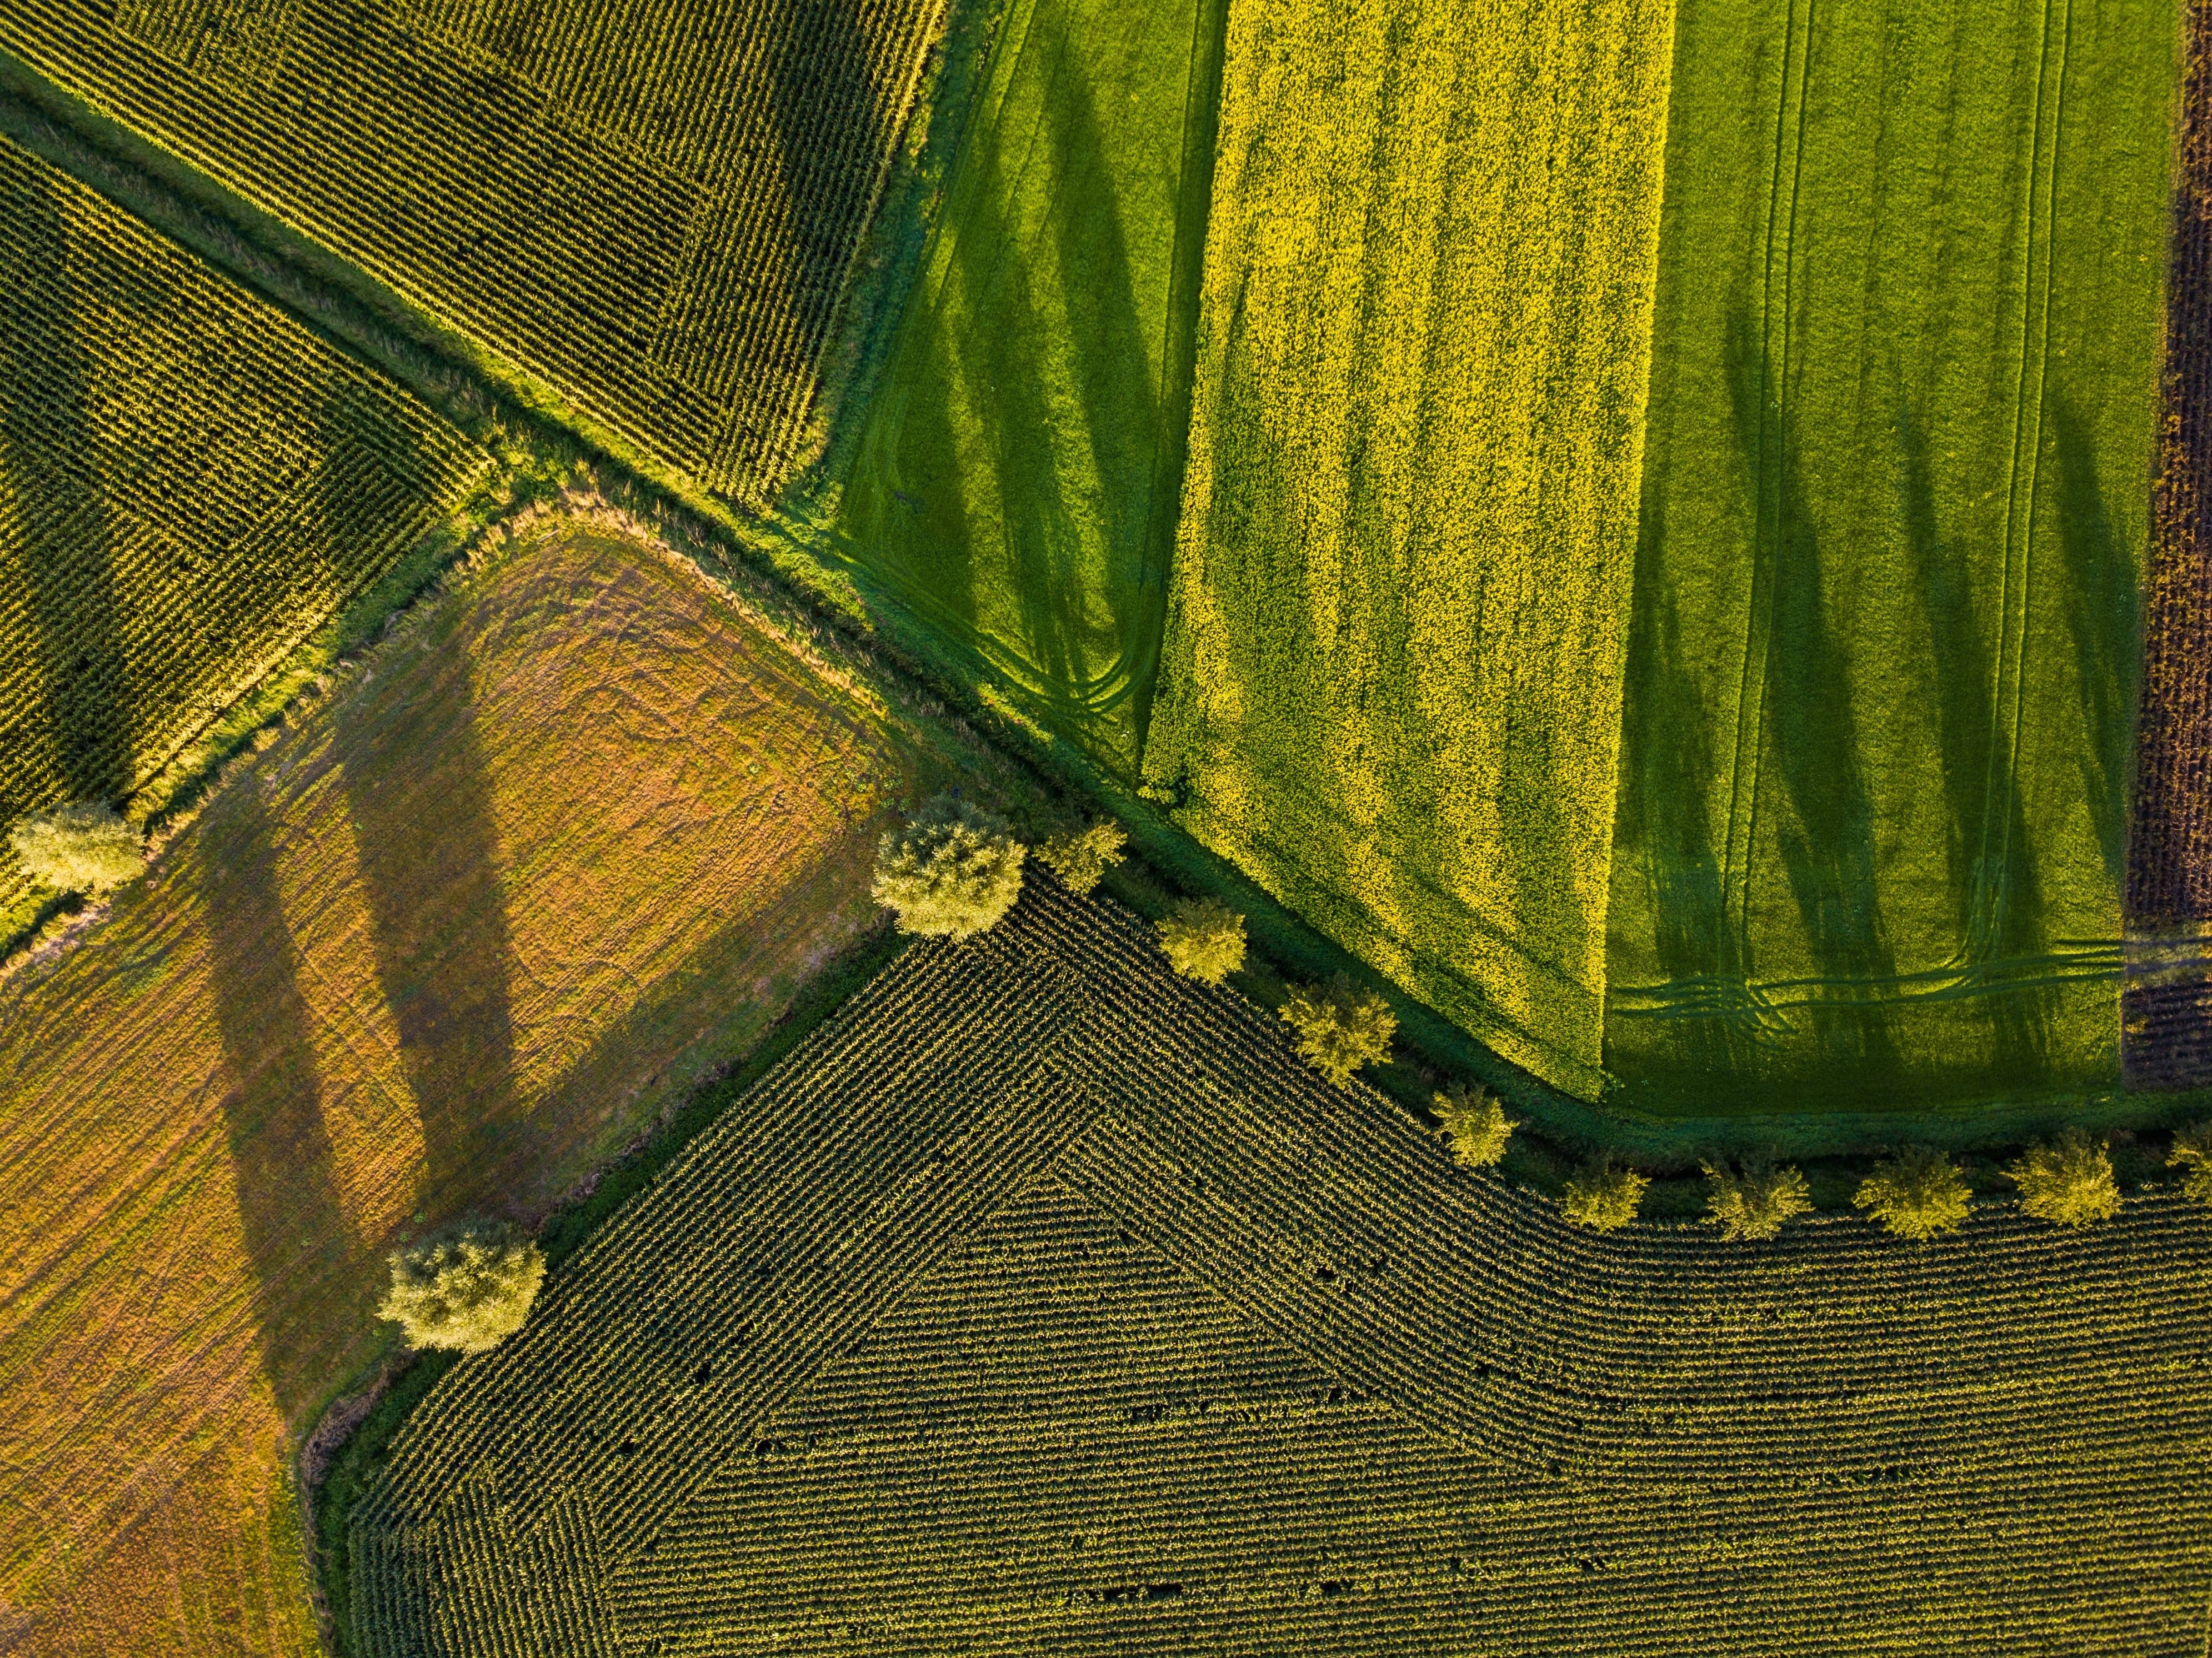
{"points": [[454, 937], [1392, 676]]}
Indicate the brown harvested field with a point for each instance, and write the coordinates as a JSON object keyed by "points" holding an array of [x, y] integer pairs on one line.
{"points": [[452, 939], [2167, 1019]]}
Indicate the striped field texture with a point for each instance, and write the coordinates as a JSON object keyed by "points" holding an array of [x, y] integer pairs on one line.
{"points": [[650, 209], [1042, 1302], [1389, 688], [190, 484], [1879, 726]]}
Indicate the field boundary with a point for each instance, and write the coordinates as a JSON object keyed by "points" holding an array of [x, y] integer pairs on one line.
{"points": [[1332, 1228], [775, 562]]}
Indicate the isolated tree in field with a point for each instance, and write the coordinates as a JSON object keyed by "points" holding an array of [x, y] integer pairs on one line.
{"points": [[1203, 939], [2068, 1181], [1340, 1028], [1081, 860], [1754, 1201], [1476, 1124], [469, 1289], [2192, 1155], [1603, 1196], [951, 872], [1917, 1194], [86, 847]]}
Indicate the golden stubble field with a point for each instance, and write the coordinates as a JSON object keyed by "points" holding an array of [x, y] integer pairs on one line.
{"points": [[456, 935]]}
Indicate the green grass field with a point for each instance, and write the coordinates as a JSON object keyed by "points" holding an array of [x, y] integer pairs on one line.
{"points": [[190, 484], [1390, 681], [1015, 483], [1041, 1301], [1879, 718]]}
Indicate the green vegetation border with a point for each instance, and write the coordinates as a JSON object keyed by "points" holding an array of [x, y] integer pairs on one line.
{"points": [[544, 439], [331, 1499]]}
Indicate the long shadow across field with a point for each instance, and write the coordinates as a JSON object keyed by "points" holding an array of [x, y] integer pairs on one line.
{"points": [[50, 450], [2103, 619], [419, 793], [281, 1157]]}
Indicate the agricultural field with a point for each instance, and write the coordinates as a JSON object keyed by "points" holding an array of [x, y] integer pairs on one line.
{"points": [[1878, 731], [190, 484], [1043, 1301], [1389, 685], [1015, 486], [2166, 1030], [465, 928], [648, 209]]}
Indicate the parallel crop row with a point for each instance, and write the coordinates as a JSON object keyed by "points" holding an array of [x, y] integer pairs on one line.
{"points": [[190, 483], [1043, 1301], [651, 208]]}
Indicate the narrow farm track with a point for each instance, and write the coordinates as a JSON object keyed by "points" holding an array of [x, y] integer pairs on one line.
{"points": [[1043, 1301]]}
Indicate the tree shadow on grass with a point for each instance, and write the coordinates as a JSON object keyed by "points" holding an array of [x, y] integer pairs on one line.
{"points": [[428, 852], [280, 1153], [51, 451], [419, 795], [2102, 614]]}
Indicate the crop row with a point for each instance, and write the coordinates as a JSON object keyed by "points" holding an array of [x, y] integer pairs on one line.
{"points": [[194, 483], [2167, 1029], [650, 209], [1238, 1351]]}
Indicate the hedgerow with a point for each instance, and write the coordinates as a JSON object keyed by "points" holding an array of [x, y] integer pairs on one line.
{"points": [[1203, 939], [2067, 1180], [1917, 1193], [952, 871], [1755, 1199], [1340, 1028]]}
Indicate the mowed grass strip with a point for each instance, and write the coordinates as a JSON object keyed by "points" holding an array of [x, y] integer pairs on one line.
{"points": [[190, 484], [647, 209], [1390, 683], [1878, 731], [575, 831], [1016, 485]]}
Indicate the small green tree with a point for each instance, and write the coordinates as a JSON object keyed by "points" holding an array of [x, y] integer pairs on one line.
{"points": [[469, 1289], [86, 847], [1081, 860], [1754, 1201], [1340, 1028], [2069, 1180], [951, 872], [1917, 1194], [1203, 939], [1603, 1196], [2192, 1155], [1476, 1123]]}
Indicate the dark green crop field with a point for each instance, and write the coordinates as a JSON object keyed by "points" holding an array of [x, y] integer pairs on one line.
{"points": [[1880, 698], [651, 209], [190, 484], [1016, 482], [1041, 1302]]}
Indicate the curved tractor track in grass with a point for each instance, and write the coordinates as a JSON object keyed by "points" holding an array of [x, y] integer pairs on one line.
{"points": [[1043, 1301], [1016, 485]]}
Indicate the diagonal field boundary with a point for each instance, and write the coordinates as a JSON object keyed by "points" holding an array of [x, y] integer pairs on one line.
{"points": [[1061, 1043]]}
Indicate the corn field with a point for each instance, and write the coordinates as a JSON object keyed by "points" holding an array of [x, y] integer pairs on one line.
{"points": [[1043, 1301], [650, 209], [190, 484]]}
